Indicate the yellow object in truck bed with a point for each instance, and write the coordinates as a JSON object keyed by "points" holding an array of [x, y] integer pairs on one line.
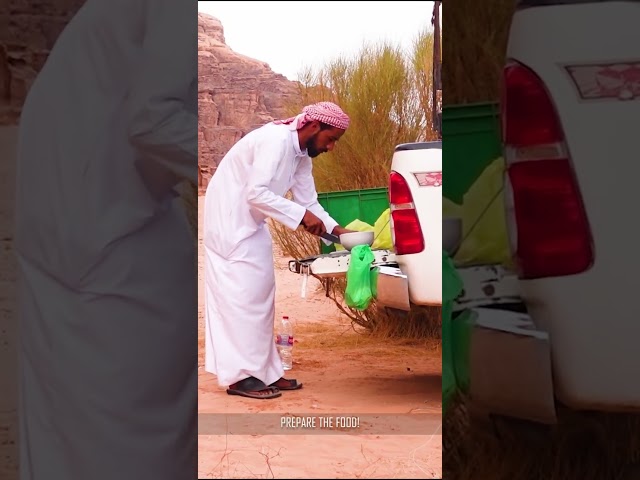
{"points": [[381, 231], [484, 228]]}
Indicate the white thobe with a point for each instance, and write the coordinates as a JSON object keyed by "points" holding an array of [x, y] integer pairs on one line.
{"points": [[108, 283], [248, 187]]}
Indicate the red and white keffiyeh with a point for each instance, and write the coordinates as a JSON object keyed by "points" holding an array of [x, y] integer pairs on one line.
{"points": [[325, 112]]}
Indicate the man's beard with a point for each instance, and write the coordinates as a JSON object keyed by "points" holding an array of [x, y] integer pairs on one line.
{"points": [[312, 150]]}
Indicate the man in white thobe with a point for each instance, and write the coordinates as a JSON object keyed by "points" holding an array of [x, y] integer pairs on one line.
{"points": [[248, 187], [106, 258]]}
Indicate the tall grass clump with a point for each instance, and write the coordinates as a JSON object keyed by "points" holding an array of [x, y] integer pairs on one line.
{"points": [[473, 54], [583, 445]]}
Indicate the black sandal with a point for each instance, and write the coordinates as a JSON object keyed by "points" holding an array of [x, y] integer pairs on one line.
{"points": [[285, 384], [251, 387]]}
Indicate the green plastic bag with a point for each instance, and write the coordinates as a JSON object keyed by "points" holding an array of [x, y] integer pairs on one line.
{"points": [[461, 329], [361, 280], [451, 288]]}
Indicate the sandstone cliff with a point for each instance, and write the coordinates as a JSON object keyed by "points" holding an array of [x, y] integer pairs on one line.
{"points": [[28, 32], [236, 94]]}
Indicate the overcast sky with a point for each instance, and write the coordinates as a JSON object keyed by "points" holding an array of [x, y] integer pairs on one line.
{"points": [[291, 35]]}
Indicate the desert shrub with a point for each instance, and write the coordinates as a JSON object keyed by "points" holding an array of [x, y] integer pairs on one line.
{"points": [[474, 53], [585, 445]]}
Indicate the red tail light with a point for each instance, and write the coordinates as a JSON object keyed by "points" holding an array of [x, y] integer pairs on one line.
{"points": [[408, 236], [548, 216]]}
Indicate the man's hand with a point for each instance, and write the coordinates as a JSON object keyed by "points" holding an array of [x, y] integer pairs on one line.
{"points": [[313, 224], [338, 230]]}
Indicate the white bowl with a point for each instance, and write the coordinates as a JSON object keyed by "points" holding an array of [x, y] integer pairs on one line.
{"points": [[451, 234], [350, 240]]}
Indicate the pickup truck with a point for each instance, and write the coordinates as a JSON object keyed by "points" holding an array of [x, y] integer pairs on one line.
{"points": [[569, 114], [413, 277]]}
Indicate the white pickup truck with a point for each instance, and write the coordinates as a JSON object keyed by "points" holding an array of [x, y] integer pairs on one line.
{"points": [[415, 198], [569, 113], [410, 274]]}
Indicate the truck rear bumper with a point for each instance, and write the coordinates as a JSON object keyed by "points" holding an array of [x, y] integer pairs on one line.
{"points": [[393, 288], [509, 364]]}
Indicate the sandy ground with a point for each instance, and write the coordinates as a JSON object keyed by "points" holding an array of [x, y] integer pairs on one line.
{"points": [[344, 374], [8, 394]]}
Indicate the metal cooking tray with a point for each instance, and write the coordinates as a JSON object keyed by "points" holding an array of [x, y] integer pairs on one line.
{"points": [[335, 264]]}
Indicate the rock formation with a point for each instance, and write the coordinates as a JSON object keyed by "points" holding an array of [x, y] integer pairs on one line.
{"points": [[236, 95], [29, 31]]}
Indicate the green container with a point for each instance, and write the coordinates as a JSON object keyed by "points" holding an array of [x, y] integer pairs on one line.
{"points": [[471, 136], [346, 206]]}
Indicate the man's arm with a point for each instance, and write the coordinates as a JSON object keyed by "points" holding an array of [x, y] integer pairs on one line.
{"points": [[304, 193], [269, 154]]}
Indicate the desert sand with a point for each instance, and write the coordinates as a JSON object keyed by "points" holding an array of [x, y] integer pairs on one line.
{"points": [[344, 373]]}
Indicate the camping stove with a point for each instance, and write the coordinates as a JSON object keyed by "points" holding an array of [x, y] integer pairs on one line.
{"points": [[487, 285], [335, 264]]}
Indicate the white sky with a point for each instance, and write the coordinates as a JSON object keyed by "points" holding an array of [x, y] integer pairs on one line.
{"points": [[292, 35]]}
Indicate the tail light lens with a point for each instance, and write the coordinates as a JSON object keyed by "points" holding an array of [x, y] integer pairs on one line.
{"points": [[547, 217], [408, 236]]}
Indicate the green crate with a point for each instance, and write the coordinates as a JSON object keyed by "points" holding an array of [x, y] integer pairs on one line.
{"points": [[471, 136], [346, 206]]}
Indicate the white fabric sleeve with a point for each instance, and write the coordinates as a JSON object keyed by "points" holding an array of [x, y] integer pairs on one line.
{"points": [[162, 116], [268, 155], [304, 193]]}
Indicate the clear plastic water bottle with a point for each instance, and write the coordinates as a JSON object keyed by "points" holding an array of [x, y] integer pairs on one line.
{"points": [[284, 342]]}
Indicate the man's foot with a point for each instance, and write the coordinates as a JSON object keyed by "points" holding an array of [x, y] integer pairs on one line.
{"points": [[284, 384], [251, 387]]}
